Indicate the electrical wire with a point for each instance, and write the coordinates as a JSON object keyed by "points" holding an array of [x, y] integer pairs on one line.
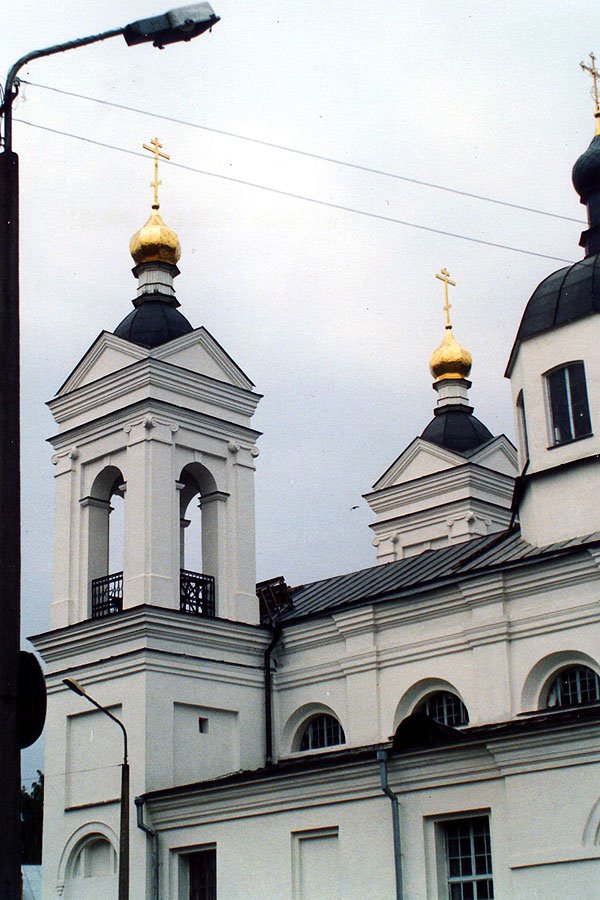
{"points": [[29, 778], [305, 153], [304, 197]]}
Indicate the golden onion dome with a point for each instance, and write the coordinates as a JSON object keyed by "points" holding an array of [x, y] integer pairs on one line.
{"points": [[155, 242], [450, 360]]}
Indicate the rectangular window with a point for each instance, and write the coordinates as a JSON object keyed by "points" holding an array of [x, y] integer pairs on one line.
{"points": [[468, 859], [569, 403], [203, 874]]}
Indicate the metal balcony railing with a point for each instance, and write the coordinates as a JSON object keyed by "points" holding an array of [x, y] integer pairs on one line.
{"points": [[197, 594], [107, 595]]}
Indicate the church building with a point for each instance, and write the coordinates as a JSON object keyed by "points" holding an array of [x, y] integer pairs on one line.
{"points": [[425, 728]]}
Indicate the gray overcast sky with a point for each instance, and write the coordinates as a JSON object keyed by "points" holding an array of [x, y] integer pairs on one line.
{"points": [[333, 315]]}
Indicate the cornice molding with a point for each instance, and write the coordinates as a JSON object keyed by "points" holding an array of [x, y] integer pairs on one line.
{"points": [[148, 375], [196, 422], [475, 762], [152, 627], [468, 477]]}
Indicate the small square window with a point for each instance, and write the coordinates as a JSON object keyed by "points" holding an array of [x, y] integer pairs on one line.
{"points": [[202, 725]]}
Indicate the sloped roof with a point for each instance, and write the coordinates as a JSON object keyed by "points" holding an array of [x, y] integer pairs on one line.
{"points": [[383, 582]]}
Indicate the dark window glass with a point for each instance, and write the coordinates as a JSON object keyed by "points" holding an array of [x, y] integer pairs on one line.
{"points": [[203, 875], [469, 859], [445, 708], [322, 731], [569, 403], [574, 686]]}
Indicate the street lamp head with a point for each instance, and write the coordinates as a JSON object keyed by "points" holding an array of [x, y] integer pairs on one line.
{"points": [[74, 686], [181, 24]]}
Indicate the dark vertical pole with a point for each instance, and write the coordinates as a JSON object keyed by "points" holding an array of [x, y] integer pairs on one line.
{"points": [[10, 519], [124, 834]]}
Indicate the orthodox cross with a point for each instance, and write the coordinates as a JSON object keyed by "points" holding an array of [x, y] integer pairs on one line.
{"points": [[155, 147], [594, 73], [444, 275]]}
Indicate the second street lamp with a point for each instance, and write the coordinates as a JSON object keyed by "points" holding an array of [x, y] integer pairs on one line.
{"points": [[124, 811], [180, 24]]}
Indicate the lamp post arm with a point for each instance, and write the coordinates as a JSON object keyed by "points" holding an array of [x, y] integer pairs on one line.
{"points": [[11, 78], [114, 718]]}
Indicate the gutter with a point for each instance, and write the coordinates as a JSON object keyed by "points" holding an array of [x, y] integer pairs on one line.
{"points": [[382, 756], [152, 833], [269, 695]]}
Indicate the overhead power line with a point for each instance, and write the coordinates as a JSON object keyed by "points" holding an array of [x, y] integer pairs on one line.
{"points": [[307, 153], [294, 196]]}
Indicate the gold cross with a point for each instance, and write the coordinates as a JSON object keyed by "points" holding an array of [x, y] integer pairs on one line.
{"points": [[155, 147], [444, 276], [594, 73]]}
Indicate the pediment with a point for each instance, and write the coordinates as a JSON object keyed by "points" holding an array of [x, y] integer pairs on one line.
{"points": [[421, 458], [108, 354], [500, 455], [197, 352]]}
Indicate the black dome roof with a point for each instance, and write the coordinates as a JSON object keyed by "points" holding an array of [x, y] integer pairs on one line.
{"points": [[153, 322], [568, 294], [457, 429], [586, 171]]}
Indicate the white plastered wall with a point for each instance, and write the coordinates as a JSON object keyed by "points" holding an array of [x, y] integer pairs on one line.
{"points": [[561, 506]]}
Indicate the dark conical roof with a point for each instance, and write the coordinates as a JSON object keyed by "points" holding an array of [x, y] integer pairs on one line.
{"points": [[456, 428], [152, 323], [586, 171]]}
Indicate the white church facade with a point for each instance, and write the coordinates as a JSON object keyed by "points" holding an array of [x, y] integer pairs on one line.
{"points": [[425, 728]]}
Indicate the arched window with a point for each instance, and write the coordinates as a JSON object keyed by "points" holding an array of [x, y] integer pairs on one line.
{"points": [[568, 400], [199, 502], [445, 708], [105, 542], [574, 687], [322, 731]]}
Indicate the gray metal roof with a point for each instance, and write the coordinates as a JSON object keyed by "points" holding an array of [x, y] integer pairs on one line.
{"points": [[382, 582]]}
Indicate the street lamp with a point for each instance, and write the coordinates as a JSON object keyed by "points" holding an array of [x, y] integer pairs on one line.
{"points": [[181, 24], [124, 818]]}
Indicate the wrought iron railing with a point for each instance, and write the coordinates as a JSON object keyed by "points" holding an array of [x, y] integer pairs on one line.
{"points": [[107, 595], [197, 594]]}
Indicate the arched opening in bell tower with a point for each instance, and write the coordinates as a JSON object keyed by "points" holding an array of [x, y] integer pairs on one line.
{"points": [[199, 530], [105, 521]]}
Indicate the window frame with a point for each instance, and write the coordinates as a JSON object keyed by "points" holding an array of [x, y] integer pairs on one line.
{"points": [[307, 727], [445, 879], [180, 880], [568, 414], [554, 680], [423, 703]]}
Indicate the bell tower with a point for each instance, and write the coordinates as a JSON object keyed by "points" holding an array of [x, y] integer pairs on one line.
{"points": [[158, 415], [155, 418]]}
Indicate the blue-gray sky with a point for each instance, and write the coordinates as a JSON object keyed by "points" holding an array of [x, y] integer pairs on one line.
{"points": [[333, 315]]}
